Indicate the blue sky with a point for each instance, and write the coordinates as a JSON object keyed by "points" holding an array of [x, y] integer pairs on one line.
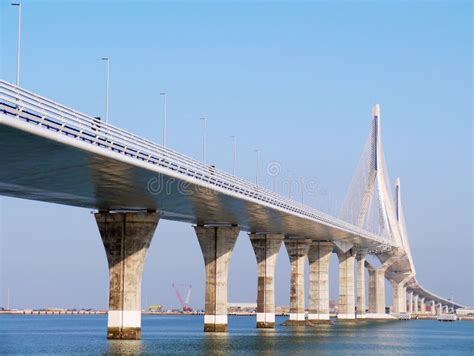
{"points": [[295, 79]]}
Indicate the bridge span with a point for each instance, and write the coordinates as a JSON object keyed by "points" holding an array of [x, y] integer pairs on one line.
{"points": [[52, 153]]}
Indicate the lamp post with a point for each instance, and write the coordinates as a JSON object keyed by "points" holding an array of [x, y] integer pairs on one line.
{"points": [[204, 136], [164, 118], [107, 62], [302, 190], [18, 46], [257, 152], [234, 139], [289, 184]]}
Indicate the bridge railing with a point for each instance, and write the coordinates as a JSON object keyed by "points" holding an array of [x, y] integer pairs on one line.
{"points": [[35, 109]]}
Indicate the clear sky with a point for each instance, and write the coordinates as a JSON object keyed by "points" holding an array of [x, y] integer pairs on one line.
{"points": [[294, 79]]}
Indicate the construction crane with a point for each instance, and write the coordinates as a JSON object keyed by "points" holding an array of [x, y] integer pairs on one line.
{"points": [[184, 303]]}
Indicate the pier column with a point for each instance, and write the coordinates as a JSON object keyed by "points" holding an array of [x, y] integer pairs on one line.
{"points": [[360, 299], [266, 248], [319, 255], [346, 307], [422, 306], [376, 291], [217, 243], [126, 238], [446, 309], [400, 295], [399, 298], [410, 302], [297, 251], [377, 287], [415, 304], [439, 309], [432, 307]]}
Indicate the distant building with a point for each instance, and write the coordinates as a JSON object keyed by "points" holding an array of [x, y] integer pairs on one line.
{"points": [[155, 308], [282, 309], [241, 307], [465, 312], [250, 308]]}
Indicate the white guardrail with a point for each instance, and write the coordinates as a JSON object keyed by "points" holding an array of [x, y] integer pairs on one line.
{"points": [[37, 110]]}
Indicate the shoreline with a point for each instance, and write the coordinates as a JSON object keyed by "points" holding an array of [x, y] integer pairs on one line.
{"points": [[103, 312]]}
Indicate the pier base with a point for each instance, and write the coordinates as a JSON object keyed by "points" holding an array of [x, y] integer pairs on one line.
{"points": [[126, 238]]}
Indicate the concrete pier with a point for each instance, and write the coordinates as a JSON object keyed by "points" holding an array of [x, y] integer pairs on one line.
{"points": [[297, 249], [346, 308], [126, 238], [217, 243], [410, 302], [399, 298], [439, 309], [361, 305], [400, 295], [319, 255], [266, 248], [422, 306], [377, 289], [415, 304], [432, 307]]}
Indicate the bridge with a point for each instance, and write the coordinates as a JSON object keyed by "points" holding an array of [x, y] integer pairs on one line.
{"points": [[55, 154]]}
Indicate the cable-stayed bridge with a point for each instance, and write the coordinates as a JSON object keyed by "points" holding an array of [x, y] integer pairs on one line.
{"points": [[55, 154]]}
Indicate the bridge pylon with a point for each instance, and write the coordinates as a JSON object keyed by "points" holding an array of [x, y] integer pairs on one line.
{"points": [[368, 203]]}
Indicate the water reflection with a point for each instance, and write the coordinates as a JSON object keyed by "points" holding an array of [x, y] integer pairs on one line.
{"points": [[266, 340], [124, 347], [216, 344], [183, 335]]}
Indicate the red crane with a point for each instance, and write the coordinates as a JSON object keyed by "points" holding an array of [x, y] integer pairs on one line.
{"points": [[184, 303]]}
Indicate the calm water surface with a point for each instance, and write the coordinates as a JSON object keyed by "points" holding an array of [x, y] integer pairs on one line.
{"points": [[85, 334]]}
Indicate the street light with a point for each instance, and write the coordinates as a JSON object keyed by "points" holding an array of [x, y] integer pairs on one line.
{"points": [[107, 61], [165, 118], [257, 151], [18, 46], [289, 184], [302, 190], [204, 134], [234, 139]]}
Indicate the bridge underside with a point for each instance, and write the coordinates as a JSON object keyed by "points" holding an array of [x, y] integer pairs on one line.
{"points": [[36, 167]]}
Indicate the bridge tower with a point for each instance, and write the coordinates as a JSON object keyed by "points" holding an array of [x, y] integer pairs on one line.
{"points": [[369, 205]]}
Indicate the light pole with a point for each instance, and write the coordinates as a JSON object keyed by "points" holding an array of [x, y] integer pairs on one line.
{"points": [[204, 134], [234, 139], [289, 184], [107, 61], [165, 118], [302, 190], [18, 46], [257, 152]]}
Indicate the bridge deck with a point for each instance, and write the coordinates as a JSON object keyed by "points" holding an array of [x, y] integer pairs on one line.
{"points": [[55, 154]]}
